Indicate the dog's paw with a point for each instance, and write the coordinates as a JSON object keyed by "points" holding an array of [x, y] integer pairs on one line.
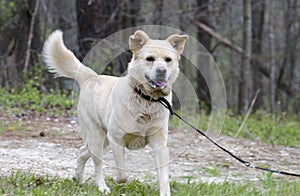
{"points": [[78, 178], [121, 179], [103, 188]]}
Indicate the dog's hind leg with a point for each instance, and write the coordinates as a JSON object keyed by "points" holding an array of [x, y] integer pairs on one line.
{"points": [[95, 140], [99, 176], [83, 156]]}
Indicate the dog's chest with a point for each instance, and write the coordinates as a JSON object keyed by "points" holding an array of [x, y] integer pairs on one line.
{"points": [[145, 112], [143, 118]]}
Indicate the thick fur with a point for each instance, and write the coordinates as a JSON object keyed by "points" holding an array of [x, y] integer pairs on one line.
{"points": [[111, 112]]}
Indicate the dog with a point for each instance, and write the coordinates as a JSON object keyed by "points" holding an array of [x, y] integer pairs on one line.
{"points": [[113, 110]]}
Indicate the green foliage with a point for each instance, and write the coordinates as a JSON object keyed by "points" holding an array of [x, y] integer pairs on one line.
{"points": [[267, 180], [211, 171], [7, 10], [28, 99], [28, 184], [282, 130], [134, 187]]}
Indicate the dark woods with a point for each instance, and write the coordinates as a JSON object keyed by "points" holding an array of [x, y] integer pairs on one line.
{"points": [[254, 42]]}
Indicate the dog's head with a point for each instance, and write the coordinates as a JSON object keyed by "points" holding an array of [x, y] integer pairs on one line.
{"points": [[154, 66]]}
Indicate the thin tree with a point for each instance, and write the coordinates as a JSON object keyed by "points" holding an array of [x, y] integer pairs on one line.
{"points": [[272, 80], [245, 71], [30, 35], [258, 23], [203, 15]]}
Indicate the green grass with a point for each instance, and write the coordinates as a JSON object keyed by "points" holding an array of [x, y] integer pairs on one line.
{"points": [[29, 100], [29, 184], [212, 171], [282, 130]]}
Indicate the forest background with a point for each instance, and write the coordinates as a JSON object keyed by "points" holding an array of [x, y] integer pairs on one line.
{"points": [[254, 42]]}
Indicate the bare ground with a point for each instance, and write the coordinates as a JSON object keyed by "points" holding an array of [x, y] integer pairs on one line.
{"points": [[46, 146]]}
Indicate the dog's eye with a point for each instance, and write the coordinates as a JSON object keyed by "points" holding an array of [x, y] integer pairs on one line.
{"points": [[150, 58], [168, 59]]}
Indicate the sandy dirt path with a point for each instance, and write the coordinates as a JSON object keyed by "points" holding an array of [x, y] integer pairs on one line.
{"points": [[47, 146]]}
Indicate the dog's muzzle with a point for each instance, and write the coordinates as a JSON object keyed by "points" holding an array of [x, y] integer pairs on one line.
{"points": [[159, 82]]}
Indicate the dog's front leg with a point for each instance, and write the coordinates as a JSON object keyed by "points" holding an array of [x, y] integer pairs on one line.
{"points": [[118, 153], [161, 157], [162, 166]]}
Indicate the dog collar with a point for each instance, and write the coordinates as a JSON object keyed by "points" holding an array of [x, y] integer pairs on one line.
{"points": [[147, 97], [161, 100]]}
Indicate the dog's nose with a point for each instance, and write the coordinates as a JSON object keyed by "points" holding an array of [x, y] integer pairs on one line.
{"points": [[161, 70]]}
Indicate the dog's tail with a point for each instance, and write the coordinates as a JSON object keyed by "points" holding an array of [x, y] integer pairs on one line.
{"points": [[62, 61]]}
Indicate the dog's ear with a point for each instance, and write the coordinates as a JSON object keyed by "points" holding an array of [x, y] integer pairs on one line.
{"points": [[137, 40], [178, 42]]}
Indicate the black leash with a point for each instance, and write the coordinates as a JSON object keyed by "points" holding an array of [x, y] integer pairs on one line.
{"points": [[166, 104]]}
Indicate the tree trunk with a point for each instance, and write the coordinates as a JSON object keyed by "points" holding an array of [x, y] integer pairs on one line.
{"points": [[203, 16], [30, 34], [14, 42], [286, 70], [272, 80], [158, 12], [245, 72], [258, 14]]}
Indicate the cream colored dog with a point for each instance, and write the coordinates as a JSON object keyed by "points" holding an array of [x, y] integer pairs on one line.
{"points": [[111, 111]]}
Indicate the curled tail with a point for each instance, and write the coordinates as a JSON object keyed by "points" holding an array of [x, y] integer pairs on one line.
{"points": [[62, 61]]}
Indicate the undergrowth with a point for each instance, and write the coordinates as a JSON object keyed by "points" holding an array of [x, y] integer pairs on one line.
{"points": [[281, 130], [29, 184], [29, 100]]}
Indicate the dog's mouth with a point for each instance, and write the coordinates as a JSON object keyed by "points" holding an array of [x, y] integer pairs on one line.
{"points": [[156, 83]]}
